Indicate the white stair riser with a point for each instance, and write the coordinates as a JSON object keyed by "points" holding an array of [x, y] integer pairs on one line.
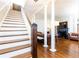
{"points": [[14, 15], [10, 14], [14, 22], [14, 19], [14, 12], [14, 38], [13, 29], [15, 53], [10, 45], [12, 25], [13, 33]]}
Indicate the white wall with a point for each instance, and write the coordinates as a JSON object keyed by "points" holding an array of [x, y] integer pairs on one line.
{"points": [[40, 23], [3, 9]]}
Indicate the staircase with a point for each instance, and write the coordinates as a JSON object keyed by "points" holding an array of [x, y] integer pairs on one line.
{"points": [[14, 37]]}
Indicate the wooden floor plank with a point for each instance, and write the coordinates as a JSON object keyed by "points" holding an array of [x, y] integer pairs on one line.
{"points": [[14, 49], [13, 41], [65, 49], [25, 55]]}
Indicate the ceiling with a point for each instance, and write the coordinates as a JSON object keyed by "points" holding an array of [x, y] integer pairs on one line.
{"points": [[66, 7], [63, 8], [32, 7], [19, 2]]}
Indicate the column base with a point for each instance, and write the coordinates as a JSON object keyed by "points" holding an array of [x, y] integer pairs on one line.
{"points": [[53, 50], [45, 46]]}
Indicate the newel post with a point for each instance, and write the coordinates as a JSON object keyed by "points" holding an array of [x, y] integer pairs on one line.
{"points": [[34, 40]]}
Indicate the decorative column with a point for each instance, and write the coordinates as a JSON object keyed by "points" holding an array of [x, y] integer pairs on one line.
{"points": [[75, 23], [33, 18], [45, 26], [53, 27], [72, 24], [73, 16]]}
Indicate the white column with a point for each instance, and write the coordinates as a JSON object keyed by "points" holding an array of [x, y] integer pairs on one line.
{"points": [[45, 26], [53, 27], [75, 24], [34, 18], [72, 24], [73, 13]]}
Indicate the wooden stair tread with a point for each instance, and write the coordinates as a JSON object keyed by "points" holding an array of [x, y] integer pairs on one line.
{"points": [[13, 41], [14, 49], [25, 55]]}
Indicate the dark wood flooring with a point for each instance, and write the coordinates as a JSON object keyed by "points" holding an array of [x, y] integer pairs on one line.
{"points": [[65, 49]]}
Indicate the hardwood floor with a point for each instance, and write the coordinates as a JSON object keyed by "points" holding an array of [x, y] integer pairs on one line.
{"points": [[65, 49]]}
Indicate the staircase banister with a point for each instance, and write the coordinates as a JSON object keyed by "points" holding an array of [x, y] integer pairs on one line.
{"points": [[34, 40]]}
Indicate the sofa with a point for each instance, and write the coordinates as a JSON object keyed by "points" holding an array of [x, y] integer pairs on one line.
{"points": [[73, 36]]}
